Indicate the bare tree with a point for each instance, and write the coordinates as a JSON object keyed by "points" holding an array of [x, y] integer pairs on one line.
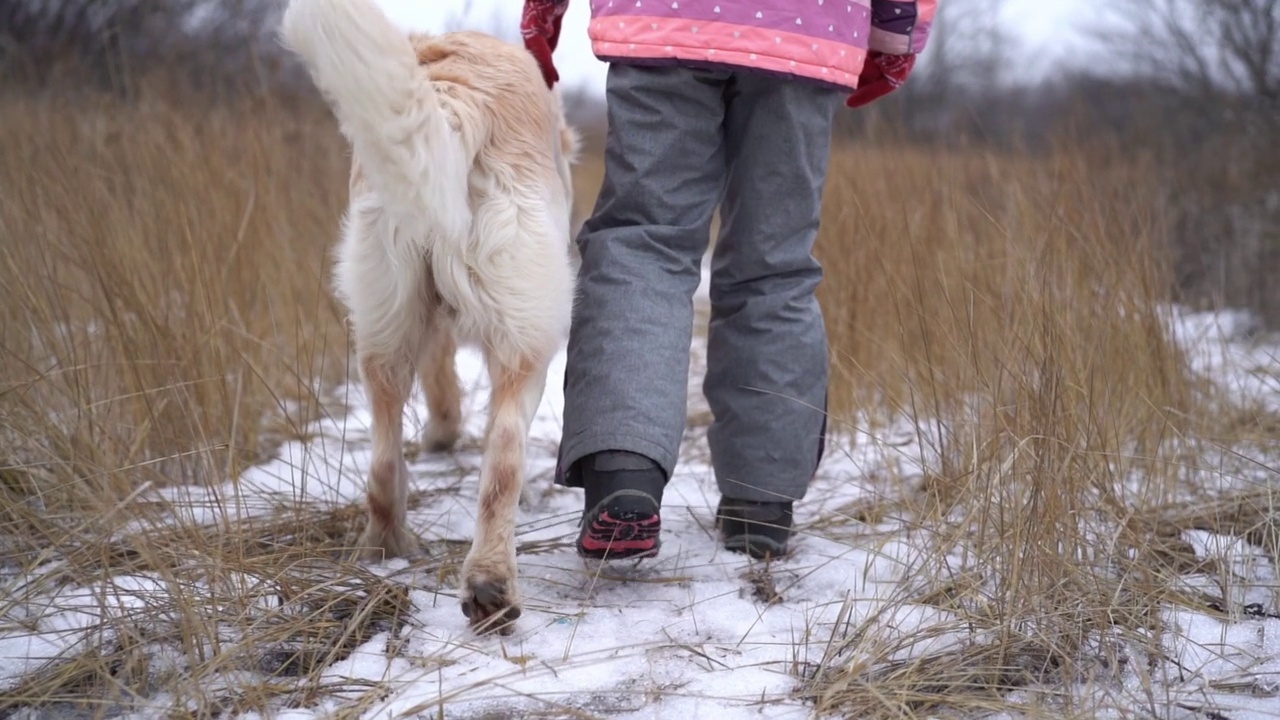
{"points": [[963, 63], [114, 36], [967, 46], [1219, 60], [1208, 46]]}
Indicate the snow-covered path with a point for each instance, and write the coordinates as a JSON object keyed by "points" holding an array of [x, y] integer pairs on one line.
{"points": [[695, 633], [686, 626]]}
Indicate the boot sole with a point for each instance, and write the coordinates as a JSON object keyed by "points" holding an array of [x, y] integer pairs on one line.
{"points": [[629, 535], [756, 546]]}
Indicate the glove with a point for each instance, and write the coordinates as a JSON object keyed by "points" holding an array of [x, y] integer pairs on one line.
{"points": [[540, 27], [881, 74]]}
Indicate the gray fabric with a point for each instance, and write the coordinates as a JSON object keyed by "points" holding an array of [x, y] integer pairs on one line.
{"points": [[680, 141]]}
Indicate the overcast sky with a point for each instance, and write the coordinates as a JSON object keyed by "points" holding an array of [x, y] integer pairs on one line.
{"points": [[1050, 32]]}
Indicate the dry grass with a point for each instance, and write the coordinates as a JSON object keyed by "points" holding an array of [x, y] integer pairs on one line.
{"points": [[166, 320], [165, 299], [1013, 307]]}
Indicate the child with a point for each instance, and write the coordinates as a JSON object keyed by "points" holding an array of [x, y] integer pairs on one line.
{"points": [[727, 102]]}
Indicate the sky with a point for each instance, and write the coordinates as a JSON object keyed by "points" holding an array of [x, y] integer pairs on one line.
{"points": [[1050, 32], [1053, 33]]}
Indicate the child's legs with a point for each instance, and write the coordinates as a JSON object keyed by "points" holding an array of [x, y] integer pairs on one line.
{"points": [[626, 382], [766, 379]]}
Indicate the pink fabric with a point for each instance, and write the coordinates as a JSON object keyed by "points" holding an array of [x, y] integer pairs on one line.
{"points": [[713, 42], [822, 40], [926, 10], [901, 27], [816, 19]]}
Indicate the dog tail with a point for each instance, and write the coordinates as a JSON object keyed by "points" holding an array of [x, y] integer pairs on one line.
{"points": [[368, 71]]}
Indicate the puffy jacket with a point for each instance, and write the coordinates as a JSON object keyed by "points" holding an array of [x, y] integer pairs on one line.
{"points": [[819, 40]]}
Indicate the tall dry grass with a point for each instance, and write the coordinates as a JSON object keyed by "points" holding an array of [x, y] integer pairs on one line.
{"points": [[1016, 308], [163, 287], [166, 318]]}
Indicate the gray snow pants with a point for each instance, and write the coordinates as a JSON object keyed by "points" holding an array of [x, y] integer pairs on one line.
{"points": [[681, 141]]}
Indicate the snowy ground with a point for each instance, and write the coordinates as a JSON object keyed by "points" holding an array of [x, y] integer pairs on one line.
{"points": [[687, 627], [692, 634]]}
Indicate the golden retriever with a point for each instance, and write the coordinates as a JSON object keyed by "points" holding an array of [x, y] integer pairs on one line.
{"points": [[457, 231]]}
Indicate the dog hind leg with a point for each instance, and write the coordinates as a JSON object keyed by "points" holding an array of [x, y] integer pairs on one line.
{"points": [[438, 374], [489, 595], [383, 284], [388, 380]]}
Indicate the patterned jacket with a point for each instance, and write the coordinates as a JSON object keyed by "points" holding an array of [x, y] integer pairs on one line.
{"points": [[819, 40]]}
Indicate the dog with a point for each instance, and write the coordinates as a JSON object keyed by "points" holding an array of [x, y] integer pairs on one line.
{"points": [[457, 232]]}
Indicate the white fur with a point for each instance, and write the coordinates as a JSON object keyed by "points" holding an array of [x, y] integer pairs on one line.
{"points": [[369, 72], [444, 235]]}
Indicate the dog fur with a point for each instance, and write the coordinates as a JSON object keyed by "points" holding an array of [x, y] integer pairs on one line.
{"points": [[457, 231]]}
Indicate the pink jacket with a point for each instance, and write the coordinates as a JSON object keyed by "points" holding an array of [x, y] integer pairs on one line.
{"points": [[823, 40]]}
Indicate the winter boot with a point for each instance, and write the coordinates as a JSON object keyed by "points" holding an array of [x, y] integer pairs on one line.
{"points": [[623, 496], [759, 529]]}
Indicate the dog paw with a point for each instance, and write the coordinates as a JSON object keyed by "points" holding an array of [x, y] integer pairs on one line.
{"points": [[379, 543], [441, 437], [490, 604]]}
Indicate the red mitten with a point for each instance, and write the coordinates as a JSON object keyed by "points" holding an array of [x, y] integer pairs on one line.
{"points": [[881, 75], [540, 27]]}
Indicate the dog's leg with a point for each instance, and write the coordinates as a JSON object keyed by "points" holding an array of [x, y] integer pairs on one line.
{"points": [[388, 379], [489, 593], [439, 376]]}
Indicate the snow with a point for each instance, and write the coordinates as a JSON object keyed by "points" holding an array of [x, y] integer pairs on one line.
{"points": [[605, 638], [682, 635], [1226, 346]]}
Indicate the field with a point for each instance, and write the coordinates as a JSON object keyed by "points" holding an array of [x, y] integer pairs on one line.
{"points": [[1049, 493]]}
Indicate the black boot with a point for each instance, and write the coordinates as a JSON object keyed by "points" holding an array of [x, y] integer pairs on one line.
{"points": [[622, 502], [759, 529]]}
